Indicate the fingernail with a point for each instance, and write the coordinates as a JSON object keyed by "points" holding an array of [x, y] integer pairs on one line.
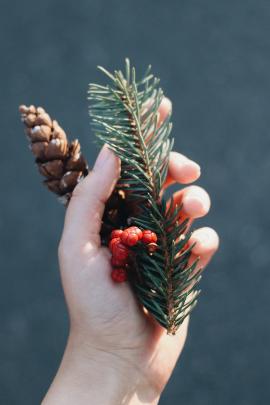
{"points": [[186, 166], [203, 239], [196, 205], [104, 156], [190, 170], [184, 161], [206, 240], [196, 167], [168, 102]]}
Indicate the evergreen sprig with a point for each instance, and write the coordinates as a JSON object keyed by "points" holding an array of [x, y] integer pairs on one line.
{"points": [[125, 116]]}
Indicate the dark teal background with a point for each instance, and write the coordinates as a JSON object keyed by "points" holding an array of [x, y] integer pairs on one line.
{"points": [[214, 61]]}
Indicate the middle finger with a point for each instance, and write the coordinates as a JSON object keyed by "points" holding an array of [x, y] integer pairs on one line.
{"points": [[195, 202]]}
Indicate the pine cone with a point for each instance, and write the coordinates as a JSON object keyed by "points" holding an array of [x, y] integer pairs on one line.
{"points": [[60, 162], [63, 165]]}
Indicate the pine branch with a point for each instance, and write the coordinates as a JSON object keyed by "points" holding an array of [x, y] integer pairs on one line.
{"points": [[125, 116]]}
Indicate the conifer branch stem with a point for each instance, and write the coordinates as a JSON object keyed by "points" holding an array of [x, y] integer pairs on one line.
{"points": [[125, 116]]}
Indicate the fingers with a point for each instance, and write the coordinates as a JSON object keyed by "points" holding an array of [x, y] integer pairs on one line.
{"points": [[181, 170], [194, 199], [206, 244], [165, 109], [195, 202], [85, 210]]}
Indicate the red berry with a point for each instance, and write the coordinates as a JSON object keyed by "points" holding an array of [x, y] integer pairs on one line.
{"points": [[119, 275], [116, 233], [119, 250], [129, 237], [137, 231], [113, 242], [149, 237], [118, 262]]}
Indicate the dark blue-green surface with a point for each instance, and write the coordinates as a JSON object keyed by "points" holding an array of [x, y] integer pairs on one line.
{"points": [[214, 61]]}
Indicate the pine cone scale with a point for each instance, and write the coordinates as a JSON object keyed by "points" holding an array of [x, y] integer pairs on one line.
{"points": [[53, 169], [69, 181], [39, 150], [39, 133]]}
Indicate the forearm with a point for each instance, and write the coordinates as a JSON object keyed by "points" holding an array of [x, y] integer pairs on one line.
{"points": [[97, 378]]}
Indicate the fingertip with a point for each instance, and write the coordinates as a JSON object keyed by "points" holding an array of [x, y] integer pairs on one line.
{"points": [[196, 202], [107, 159], [165, 108], [167, 104], [182, 169], [206, 241]]}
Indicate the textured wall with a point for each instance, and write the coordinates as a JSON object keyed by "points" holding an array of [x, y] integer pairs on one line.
{"points": [[214, 61]]}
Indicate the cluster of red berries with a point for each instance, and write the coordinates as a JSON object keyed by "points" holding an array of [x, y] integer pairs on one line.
{"points": [[120, 244]]}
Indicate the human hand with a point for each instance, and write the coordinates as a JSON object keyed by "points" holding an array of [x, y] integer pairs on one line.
{"points": [[117, 353]]}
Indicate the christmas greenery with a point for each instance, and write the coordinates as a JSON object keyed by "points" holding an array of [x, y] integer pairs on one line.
{"points": [[125, 116]]}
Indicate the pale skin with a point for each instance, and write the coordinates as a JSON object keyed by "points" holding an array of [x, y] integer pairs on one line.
{"points": [[116, 353]]}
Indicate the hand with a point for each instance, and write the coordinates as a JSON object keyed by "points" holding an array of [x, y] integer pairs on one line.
{"points": [[116, 353]]}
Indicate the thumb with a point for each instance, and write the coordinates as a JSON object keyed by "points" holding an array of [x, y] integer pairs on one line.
{"points": [[86, 207]]}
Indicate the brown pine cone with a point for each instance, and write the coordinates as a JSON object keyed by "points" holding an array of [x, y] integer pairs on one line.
{"points": [[63, 165], [60, 162]]}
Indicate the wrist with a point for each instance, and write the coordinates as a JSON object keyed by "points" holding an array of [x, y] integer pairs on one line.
{"points": [[88, 375]]}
